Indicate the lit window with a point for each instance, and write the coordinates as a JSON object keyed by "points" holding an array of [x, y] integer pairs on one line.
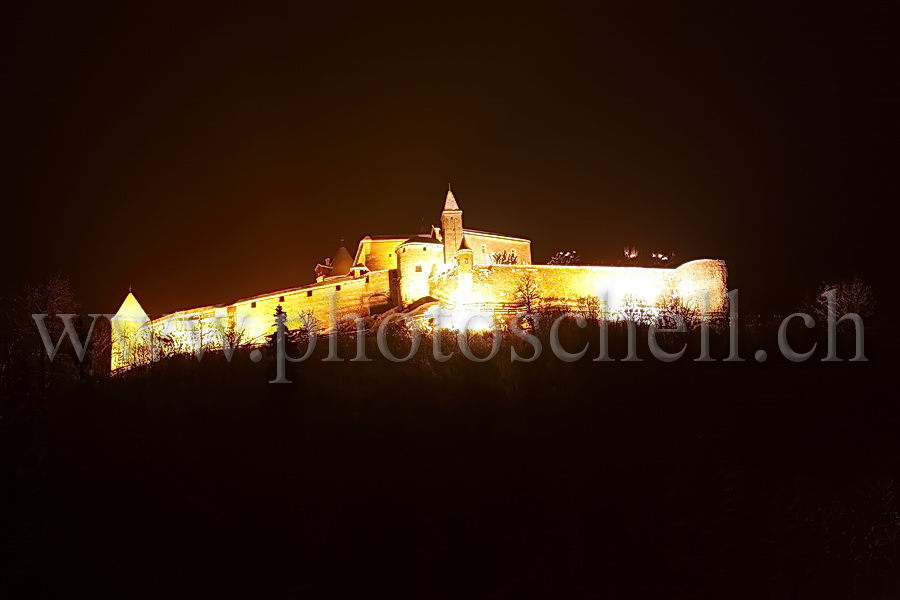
{"points": [[418, 268]]}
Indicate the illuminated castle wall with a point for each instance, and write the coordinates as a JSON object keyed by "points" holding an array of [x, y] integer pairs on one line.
{"points": [[450, 265], [699, 284]]}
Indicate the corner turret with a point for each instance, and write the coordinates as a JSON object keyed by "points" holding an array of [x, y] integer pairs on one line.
{"points": [[128, 334], [465, 257]]}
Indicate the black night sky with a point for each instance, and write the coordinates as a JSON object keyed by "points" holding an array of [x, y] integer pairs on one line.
{"points": [[201, 154]]}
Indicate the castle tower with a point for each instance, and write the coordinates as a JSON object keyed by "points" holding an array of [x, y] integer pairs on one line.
{"points": [[465, 260], [451, 226], [129, 335], [418, 258], [465, 257]]}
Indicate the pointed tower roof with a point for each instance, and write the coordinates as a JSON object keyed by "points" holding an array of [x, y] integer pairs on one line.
{"points": [[131, 309], [450, 202], [464, 245], [342, 262]]}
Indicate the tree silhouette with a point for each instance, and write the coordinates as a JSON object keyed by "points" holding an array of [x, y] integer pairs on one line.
{"points": [[631, 254], [504, 257], [852, 296], [662, 258], [565, 257], [528, 291], [280, 323]]}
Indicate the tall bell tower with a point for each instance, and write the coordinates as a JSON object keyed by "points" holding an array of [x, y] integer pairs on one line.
{"points": [[451, 227]]}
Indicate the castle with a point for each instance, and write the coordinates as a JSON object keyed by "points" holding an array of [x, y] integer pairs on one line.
{"points": [[465, 272]]}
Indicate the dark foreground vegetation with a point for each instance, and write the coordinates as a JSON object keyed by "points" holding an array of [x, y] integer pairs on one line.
{"points": [[458, 479]]}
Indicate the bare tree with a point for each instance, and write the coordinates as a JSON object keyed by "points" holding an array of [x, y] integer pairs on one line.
{"points": [[631, 254], [51, 297], [528, 291], [673, 312], [589, 306], [853, 296], [98, 358], [662, 258], [504, 257], [630, 309], [309, 326], [565, 257], [149, 346], [232, 336]]}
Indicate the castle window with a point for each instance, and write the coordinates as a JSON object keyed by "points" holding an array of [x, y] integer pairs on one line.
{"points": [[418, 268], [424, 248], [308, 293], [281, 298], [253, 305], [337, 288], [484, 249], [367, 279]]}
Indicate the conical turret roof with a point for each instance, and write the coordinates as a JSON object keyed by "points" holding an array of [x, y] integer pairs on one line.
{"points": [[131, 309], [342, 262], [131, 306], [450, 202]]}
